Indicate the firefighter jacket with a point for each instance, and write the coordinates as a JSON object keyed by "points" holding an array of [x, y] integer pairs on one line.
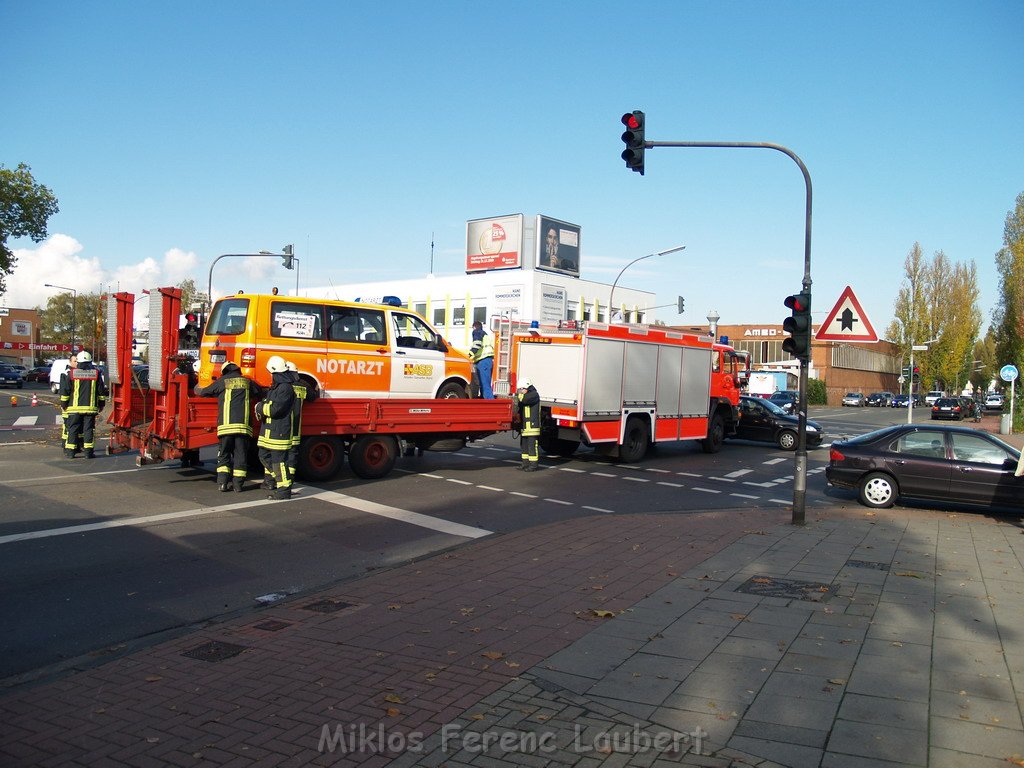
{"points": [[82, 390], [235, 397], [482, 348], [304, 393], [275, 410], [528, 404]]}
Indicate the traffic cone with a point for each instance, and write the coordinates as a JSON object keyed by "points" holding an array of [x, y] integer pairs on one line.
{"points": [[35, 400], [14, 401]]}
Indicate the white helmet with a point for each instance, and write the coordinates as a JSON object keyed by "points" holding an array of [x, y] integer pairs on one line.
{"points": [[524, 383], [277, 364], [290, 366], [83, 357]]}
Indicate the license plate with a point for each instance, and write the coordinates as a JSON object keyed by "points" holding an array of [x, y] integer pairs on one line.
{"points": [[218, 357]]}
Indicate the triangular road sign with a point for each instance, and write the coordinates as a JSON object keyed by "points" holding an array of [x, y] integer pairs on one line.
{"points": [[847, 321]]}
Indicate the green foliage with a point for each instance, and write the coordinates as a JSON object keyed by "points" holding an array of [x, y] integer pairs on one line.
{"points": [[25, 207], [816, 392], [1008, 316]]}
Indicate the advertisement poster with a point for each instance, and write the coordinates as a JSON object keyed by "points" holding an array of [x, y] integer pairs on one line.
{"points": [[558, 246], [494, 243], [508, 300], [552, 303]]}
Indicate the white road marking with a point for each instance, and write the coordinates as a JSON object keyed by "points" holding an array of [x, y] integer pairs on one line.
{"points": [[706, 490], [559, 501], [722, 479], [25, 421], [460, 482], [637, 479], [599, 509], [403, 515], [603, 474], [773, 461], [744, 496], [491, 488], [673, 485], [688, 474], [782, 501], [663, 471], [525, 495], [759, 485], [572, 469], [740, 473]]}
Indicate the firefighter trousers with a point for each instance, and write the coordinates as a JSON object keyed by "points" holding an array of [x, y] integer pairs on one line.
{"points": [[276, 475], [80, 426], [530, 453], [232, 459]]}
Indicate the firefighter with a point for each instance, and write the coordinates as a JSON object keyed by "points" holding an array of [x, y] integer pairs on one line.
{"points": [[482, 354], [528, 404], [83, 393], [235, 397], [275, 440], [304, 393]]}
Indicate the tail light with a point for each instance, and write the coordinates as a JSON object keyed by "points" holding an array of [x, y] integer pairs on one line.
{"points": [[248, 359], [835, 456]]}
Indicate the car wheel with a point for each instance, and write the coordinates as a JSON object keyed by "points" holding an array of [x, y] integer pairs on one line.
{"points": [[787, 440], [877, 490]]}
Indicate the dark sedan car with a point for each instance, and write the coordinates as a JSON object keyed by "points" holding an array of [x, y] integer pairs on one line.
{"points": [[10, 377], [942, 463], [786, 399], [949, 408], [40, 373], [765, 421]]}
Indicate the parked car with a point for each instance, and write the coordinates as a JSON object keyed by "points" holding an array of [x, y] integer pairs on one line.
{"points": [[994, 402], [854, 399], [880, 399], [23, 370], [900, 401], [765, 421], [39, 373], [10, 377], [944, 463], [932, 396], [786, 399], [949, 408]]}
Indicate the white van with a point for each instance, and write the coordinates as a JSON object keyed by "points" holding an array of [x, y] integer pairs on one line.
{"points": [[935, 394], [57, 369]]}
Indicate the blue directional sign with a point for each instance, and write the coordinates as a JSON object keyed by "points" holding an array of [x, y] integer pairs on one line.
{"points": [[1008, 372]]}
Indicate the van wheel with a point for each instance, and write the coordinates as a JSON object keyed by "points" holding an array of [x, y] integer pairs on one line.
{"points": [[372, 456], [635, 442], [54, 388], [716, 435], [451, 391], [320, 458]]}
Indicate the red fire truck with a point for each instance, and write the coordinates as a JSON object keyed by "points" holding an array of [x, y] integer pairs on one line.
{"points": [[620, 388]]}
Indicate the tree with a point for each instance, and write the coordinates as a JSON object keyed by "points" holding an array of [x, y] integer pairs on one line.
{"points": [[25, 208], [1008, 316]]}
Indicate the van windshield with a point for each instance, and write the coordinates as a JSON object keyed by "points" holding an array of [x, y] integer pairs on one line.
{"points": [[228, 318]]}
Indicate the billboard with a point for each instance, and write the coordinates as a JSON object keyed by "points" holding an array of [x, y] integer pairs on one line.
{"points": [[494, 243], [558, 246]]}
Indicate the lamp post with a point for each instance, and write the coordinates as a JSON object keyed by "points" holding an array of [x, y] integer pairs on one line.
{"points": [[713, 318], [611, 296], [74, 301]]}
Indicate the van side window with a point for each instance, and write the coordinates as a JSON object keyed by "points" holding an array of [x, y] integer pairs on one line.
{"points": [[354, 325], [296, 321], [411, 332]]}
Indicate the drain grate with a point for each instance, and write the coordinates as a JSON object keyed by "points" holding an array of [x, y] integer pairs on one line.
{"points": [[787, 589], [868, 564], [215, 650], [272, 625], [327, 606]]}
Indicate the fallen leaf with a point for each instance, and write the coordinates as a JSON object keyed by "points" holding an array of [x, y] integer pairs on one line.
{"points": [[477, 716], [738, 616], [153, 678], [394, 698], [761, 580], [392, 712], [493, 655], [394, 607], [837, 680], [512, 664], [910, 574]]}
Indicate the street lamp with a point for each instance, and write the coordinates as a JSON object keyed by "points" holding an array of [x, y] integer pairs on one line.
{"points": [[713, 318], [611, 296], [74, 301]]}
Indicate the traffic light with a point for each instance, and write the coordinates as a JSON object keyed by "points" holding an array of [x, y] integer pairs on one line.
{"points": [[188, 337], [798, 326], [680, 304], [633, 138]]}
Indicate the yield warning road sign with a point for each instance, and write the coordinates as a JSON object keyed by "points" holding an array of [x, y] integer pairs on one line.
{"points": [[847, 321]]}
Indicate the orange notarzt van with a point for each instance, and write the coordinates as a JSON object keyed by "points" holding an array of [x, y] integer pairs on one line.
{"points": [[348, 349]]}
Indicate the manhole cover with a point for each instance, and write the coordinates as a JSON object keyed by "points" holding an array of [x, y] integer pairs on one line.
{"points": [[214, 651], [868, 564], [327, 606], [787, 589], [273, 625]]}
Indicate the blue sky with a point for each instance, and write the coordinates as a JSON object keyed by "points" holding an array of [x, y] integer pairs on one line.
{"points": [[173, 133]]}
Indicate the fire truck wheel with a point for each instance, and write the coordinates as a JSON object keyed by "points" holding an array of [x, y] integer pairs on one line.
{"points": [[635, 442], [786, 440], [320, 457], [452, 390], [716, 435], [372, 456]]}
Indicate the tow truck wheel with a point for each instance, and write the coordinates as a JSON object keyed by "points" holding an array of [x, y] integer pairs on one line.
{"points": [[635, 442], [372, 456], [320, 457]]}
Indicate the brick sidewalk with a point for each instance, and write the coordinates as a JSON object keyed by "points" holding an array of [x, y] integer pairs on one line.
{"points": [[406, 650]]}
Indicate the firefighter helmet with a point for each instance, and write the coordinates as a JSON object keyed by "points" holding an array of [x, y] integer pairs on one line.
{"points": [[524, 383], [83, 357], [230, 368], [277, 364], [290, 366]]}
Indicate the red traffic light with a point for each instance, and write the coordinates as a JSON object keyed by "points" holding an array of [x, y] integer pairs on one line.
{"points": [[630, 121], [191, 317], [799, 302]]}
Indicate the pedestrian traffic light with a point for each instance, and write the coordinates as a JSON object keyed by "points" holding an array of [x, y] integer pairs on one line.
{"points": [[633, 138], [798, 326]]}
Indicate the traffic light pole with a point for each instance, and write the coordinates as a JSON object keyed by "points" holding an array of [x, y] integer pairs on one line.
{"points": [[800, 464]]}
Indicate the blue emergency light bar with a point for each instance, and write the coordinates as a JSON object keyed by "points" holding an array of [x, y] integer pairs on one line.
{"points": [[388, 301]]}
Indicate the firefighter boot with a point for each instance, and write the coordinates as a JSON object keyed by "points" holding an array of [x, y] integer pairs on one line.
{"points": [[531, 466], [68, 453], [89, 454], [238, 483], [281, 494], [269, 483]]}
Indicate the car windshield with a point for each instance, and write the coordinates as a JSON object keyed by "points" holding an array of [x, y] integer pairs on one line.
{"points": [[229, 317], [943, 402], [870, 437], [769, 405]]}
